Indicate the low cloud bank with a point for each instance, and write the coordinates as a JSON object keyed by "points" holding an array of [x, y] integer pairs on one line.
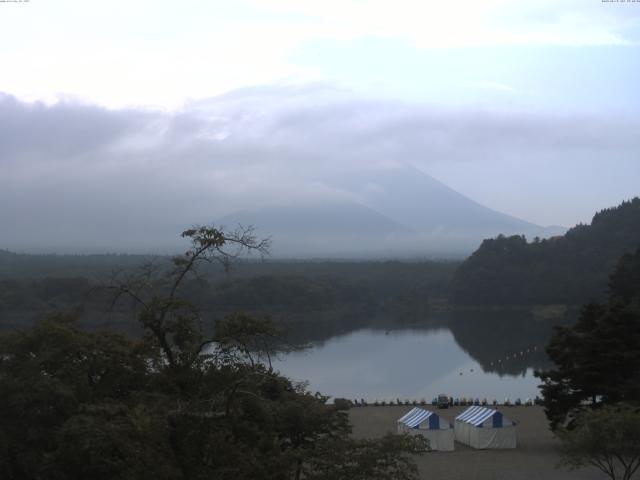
{"points": [[80, 178]]}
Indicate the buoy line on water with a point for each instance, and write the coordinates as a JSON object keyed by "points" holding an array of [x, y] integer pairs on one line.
{"points": [[513, 356]]}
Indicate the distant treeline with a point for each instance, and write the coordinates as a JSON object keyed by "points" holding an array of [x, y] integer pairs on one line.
{"points": [[22, 265], [569, 269], [319, 297]]}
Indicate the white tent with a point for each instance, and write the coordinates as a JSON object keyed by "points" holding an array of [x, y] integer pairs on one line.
{"points": [[481, 427], [423, 422]]}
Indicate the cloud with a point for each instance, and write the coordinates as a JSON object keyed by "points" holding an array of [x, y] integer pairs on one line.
{"points": [[492, 86], [197, 49], [435, 24], [79, 177], [61, 130]]}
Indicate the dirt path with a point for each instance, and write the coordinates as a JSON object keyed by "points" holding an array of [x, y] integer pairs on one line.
{"points": [[536, 456]]}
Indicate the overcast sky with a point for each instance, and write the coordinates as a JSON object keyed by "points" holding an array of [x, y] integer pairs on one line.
{"points": [[196, 108]]}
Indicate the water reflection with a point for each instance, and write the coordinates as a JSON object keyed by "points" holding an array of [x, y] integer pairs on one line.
{"points": [[479, 354], [505, 342]]}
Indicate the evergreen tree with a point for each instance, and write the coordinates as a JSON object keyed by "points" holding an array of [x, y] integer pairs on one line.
{"points": [[598, 359]]}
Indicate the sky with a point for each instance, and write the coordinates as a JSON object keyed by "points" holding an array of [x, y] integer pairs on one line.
{"points": [[118, 115]]}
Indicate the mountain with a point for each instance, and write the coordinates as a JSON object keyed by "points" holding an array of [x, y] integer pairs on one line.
{"points": [[569, 269], [420, 202], [337, 229], [398, 211]]}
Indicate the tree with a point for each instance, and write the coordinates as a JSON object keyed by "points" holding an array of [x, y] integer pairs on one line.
{"points": [[598, 359], [177, 403], [254, 338], [174, 322], [607, 438], [66, 390], [381, 459], [568, 269]]}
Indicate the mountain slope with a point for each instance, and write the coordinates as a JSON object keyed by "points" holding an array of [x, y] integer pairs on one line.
{"points": [[424, 204], [344, 228], [399, 211]]}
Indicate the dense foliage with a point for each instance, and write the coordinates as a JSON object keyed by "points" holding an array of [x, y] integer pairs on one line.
{"points": [[607, 438], [174, 403], [98, 405], [598, 359], [571, 269]]}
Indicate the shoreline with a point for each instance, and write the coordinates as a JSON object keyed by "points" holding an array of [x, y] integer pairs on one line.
{"points": [[536, 456]]}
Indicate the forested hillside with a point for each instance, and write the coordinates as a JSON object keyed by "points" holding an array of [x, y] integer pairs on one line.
{"points": [[317, 298], [569, 269]]}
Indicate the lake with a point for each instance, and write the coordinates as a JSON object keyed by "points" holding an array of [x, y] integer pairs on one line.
{"points": [[492, 359]]}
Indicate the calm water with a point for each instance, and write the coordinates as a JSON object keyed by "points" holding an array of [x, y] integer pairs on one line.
{"points": [[414, 364]]}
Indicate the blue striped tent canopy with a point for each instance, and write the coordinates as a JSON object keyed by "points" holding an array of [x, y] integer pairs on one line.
{"points": [[477, 415], [416, 416]]}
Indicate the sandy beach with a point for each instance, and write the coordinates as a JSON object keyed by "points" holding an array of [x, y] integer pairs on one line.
{"points": [[536, 456]]}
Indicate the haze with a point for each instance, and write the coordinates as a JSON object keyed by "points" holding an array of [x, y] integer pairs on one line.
{"points": [[122, 124]]}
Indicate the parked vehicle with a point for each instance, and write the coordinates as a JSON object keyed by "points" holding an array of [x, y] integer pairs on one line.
{"points": [[443, 401]]}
